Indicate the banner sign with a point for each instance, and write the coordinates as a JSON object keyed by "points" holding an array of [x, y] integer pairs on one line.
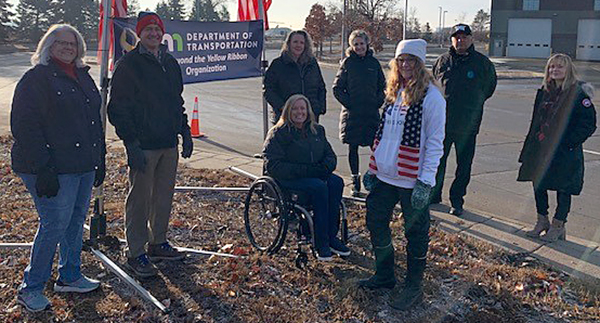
{"points": [[206, 51]]}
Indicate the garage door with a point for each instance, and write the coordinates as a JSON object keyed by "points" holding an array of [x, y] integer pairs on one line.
{"points": [[588, 40], [529, 38]]}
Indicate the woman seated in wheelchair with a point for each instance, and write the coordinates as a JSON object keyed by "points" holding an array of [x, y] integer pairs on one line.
{"points": [[297, 154]]}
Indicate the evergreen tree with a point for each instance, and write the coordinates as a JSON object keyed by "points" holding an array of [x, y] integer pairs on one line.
{"points": [[170, 9], [481, 25], [133, 8], [6, 20], [35, 16], [209, 10], [81, 14]]}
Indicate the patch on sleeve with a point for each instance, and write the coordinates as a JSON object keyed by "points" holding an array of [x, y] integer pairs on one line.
{"points": [[586, 103]]}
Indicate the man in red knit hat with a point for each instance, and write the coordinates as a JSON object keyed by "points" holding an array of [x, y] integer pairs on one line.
{"points": [[146, 108]]}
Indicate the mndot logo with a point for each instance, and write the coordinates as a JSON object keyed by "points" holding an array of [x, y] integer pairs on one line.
{"points": [[173, 41]]}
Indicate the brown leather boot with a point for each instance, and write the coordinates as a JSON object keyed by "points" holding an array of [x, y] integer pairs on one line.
{"points": [[556, 232], [541, 225]]}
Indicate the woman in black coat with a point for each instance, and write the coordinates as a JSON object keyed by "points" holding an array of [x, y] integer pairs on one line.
{"points": [[59, 154], [295, 71], [359, 86], [552, 155], [298, 155]]}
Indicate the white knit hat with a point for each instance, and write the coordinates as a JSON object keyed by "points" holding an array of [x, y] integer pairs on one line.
{"points": [[416, 47]]}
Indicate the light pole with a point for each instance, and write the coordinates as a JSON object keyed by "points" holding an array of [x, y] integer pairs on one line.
{"points": [[444, 27], [343, 40], [440, 26], [405, 19]]}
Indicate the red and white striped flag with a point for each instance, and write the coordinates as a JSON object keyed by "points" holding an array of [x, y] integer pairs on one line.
{"points": [[408, 161], [119, 10], [248, 10]]}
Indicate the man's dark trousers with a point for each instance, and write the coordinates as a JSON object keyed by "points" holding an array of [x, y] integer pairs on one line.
{"points": [[465, 150]]}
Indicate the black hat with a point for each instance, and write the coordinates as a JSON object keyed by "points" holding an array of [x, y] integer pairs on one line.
{"points": [[461, 28]]}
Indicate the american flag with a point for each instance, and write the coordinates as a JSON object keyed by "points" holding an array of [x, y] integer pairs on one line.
{"points": [[410, 146], [409, 152], [119, 10], [248, 10]]}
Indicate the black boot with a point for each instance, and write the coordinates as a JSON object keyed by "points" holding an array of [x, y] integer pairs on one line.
{"points": [[412, 293], [356, 185], [384, 273]]}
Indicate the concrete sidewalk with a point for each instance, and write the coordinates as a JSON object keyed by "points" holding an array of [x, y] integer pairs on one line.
{"points": [[575, 256]]}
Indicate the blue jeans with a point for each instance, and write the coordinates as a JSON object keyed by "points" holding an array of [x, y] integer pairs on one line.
{"points": [[61, 223], [325, 198]]}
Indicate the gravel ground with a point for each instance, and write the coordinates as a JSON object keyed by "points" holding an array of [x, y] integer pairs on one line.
{"points": [[466, 280]]}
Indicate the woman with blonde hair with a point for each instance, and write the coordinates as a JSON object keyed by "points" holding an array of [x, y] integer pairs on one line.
{"points": [[359, 86], [404, 160], [297, 154], [552, 155], [59, 154], [295, 71]]}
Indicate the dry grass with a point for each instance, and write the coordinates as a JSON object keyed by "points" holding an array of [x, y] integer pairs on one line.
{"points": [[466, 280]]}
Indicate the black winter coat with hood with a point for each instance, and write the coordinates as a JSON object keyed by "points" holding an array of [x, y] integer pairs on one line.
{"points": [[285, 77], [359, 86], [290, 153], [554, 160]]}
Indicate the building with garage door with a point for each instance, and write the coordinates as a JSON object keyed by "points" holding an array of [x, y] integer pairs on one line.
{"points": [[537, 28]]}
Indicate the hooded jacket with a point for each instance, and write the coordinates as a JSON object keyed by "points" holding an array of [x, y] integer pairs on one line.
{"points": [[359, 86], [556, 162]]}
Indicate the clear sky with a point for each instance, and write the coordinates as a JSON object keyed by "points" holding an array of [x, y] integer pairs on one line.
{"points": [[291, 13]]}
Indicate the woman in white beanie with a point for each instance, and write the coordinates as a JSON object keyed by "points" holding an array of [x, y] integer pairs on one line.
{"points": [[404, 160]]}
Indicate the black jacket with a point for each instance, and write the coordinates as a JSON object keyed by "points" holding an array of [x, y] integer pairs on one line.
{"points": [[55, 121], [145, 99], [556, 163], [468, 80], [359, 86], [285, 77], [290, 153]]}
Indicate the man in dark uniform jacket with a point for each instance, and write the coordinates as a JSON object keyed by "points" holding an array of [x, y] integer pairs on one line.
{"points": [[469, 79]]}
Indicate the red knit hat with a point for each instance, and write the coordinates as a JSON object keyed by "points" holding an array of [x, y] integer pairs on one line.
{"points": [[146, 18]]}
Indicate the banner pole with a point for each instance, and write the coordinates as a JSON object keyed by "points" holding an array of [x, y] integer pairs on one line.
{"points": [[263, 68], [98, 219]]}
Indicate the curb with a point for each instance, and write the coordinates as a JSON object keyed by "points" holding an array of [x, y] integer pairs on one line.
{"points": [[575, 257]]}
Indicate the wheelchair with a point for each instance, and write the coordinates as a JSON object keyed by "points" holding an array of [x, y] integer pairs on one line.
{"points": [[270, 210]]}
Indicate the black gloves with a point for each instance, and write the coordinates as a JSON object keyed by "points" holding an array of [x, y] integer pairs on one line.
{"points": [[187, 145], [100, 173], [135, 156], [46, 183], [420, 195]]}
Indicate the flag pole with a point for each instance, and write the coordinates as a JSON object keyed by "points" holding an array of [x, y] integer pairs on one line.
{"points": [[98, 219], [263, 68]]}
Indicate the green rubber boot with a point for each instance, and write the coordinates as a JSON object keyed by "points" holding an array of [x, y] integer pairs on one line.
{"points": [[384, 269]]}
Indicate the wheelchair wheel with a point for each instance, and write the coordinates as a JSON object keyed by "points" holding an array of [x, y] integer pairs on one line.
{"points": [[265, 215], [343, 223]]}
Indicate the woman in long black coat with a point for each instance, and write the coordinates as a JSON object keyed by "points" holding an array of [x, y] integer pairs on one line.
{"points": [[295, 71], [359, 86], [552, 155]]}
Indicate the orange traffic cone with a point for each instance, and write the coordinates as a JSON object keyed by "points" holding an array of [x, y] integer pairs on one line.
{"points": [[196, 121]]}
